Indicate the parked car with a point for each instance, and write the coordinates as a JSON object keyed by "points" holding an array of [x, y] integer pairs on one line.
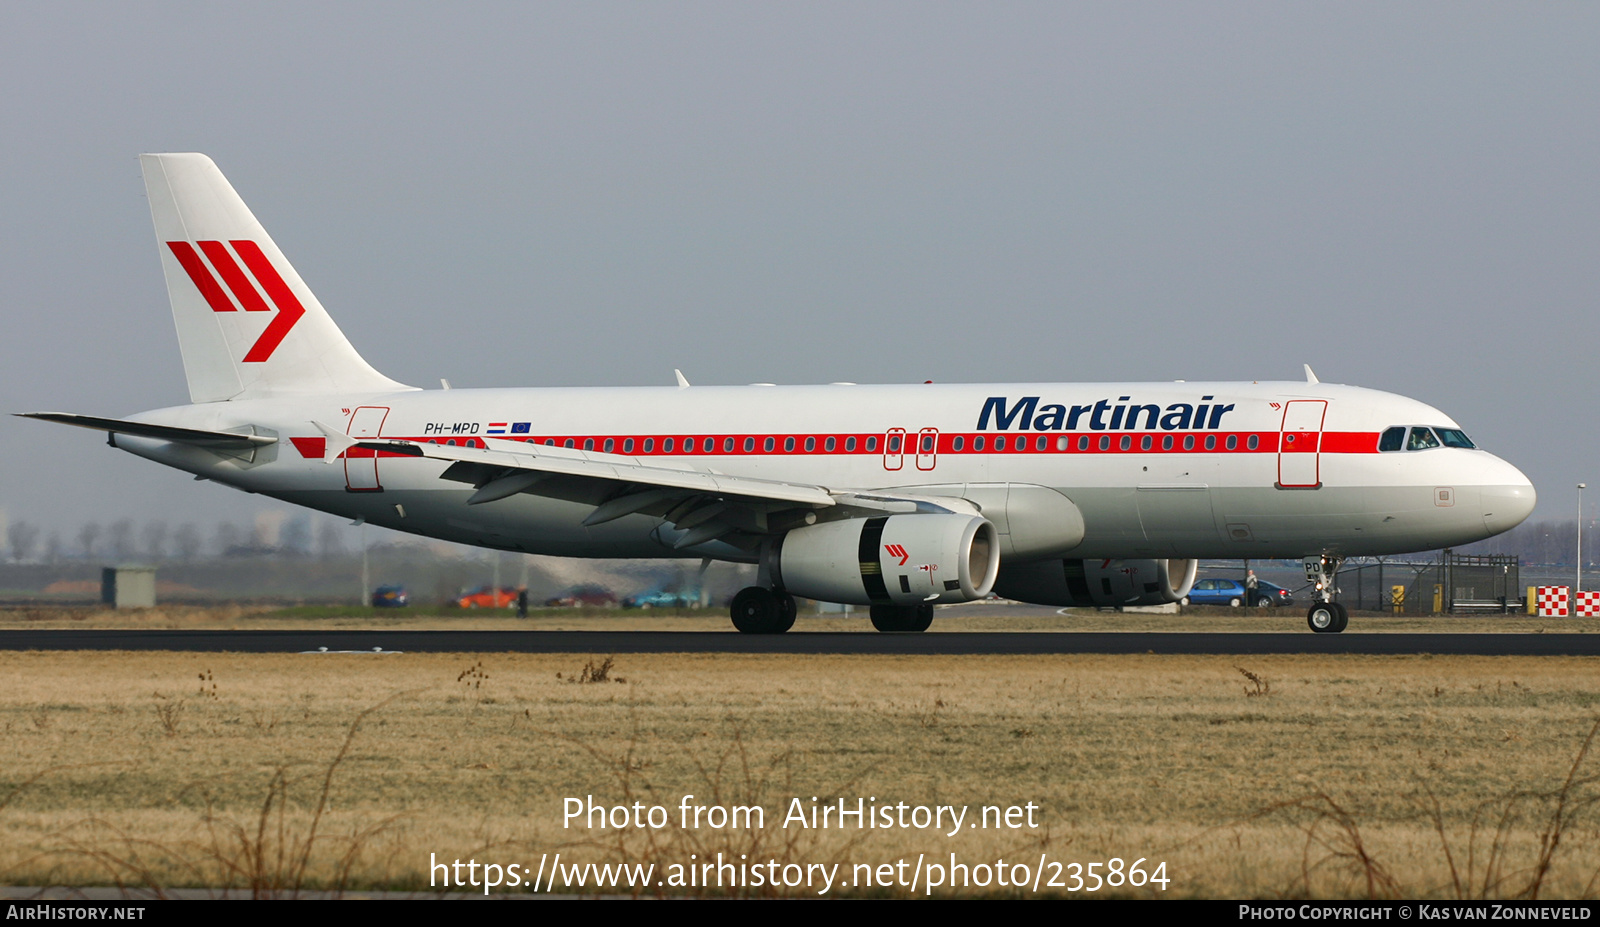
{"points": [[488, 597], [1232, 592], [662, 600], [390, 597], [587, 594]]}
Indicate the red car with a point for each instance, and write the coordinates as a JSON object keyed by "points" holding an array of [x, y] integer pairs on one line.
{"points": [[487, 597]]}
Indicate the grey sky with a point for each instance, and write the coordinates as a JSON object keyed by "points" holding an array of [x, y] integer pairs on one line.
{"points": [[1405, 196]]}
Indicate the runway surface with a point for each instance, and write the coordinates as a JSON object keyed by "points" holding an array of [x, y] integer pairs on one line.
{"points": [[611, 642]]}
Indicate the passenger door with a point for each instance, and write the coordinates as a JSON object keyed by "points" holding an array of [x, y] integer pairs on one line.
{"points": [[1299, 444], [361, 465]]}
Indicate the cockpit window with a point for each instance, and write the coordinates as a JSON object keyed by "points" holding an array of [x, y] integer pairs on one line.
{"points": [[1421, 439], [1393, 439], [1454, 437]]}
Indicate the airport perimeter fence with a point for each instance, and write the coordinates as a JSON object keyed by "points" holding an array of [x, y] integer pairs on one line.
{"points": [[1453, 584]]}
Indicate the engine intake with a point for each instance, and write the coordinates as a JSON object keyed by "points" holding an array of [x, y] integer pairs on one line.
{"points": [[889, 560], [1097, 583]]}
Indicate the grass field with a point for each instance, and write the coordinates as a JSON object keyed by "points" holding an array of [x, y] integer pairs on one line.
{"points": [[1322, 776]]}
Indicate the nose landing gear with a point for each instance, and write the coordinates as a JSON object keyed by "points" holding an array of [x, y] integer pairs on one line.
{"points": [[1326, 616]]}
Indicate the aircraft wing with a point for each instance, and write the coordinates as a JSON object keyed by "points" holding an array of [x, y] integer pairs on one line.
{"points": [[703, 503], [210, 440]]}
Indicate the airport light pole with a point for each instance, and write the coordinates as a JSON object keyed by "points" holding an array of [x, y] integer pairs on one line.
{"points": [[1579, 587]]}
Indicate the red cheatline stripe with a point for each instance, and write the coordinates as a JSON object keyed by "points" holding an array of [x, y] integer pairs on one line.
{"points": [[242, 289], [203, 281], [289, 308], [1334, 442]]}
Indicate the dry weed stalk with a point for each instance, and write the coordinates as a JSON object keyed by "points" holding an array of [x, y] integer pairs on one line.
{"points": [[267, 855], [1567, 802], [1480, 870], [1259, 686], [592, 673]]}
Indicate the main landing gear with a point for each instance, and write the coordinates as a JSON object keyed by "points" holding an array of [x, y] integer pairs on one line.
{"points": [[912, 619], [759, 610], [1326, 616]]}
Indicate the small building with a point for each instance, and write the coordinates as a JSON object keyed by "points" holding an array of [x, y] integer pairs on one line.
{"points": [[128, 586]]}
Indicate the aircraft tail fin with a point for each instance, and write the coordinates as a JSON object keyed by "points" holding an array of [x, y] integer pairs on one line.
{"points": [[248, 326]]}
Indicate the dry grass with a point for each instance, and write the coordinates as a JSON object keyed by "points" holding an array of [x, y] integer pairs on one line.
{"points": [[1334, 776]]}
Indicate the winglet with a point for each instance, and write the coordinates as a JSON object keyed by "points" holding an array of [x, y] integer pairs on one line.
{"points": [[1310, 377], [683, 381]]}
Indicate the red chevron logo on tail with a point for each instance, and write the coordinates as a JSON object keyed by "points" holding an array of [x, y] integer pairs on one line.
{"points": [[238, 283]]}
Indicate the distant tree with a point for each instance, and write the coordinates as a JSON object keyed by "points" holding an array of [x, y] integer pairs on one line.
{"points": [[120, 538], [87, 536], [296, 536], [154, 538], [187, 541], [52, 548], [20, 536], [227, 538], [329, 544]]}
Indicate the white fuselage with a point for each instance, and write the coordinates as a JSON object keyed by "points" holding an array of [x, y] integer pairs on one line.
{"points": [[1172, 469]]}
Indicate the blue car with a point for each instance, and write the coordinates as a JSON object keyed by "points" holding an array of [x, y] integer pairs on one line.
{"points": [[1232, 592]]}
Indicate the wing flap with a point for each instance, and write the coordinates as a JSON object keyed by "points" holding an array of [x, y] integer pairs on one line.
{"points": [[614, 468]]}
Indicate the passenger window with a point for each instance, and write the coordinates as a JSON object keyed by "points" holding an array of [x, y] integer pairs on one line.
{"points": [[627, 445], [850, 444], [1041, 442], [1421, 439], [666, 446], [1000, 443], [649, 445], [749, 445], [977, 443], [767, 445], [1393, 439], [828, 444]]}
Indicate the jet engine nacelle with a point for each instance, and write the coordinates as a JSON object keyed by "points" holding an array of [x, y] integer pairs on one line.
{"points": [[893, 559], [1097, 583]]}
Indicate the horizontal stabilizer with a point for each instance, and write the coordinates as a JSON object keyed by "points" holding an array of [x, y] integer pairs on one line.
{"points": [[210, 440]]}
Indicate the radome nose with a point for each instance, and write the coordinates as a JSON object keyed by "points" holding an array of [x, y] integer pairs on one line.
{"points": [[1506, 504]]}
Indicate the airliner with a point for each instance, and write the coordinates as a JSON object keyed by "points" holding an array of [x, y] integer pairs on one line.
{"points": [[894, 497]]}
